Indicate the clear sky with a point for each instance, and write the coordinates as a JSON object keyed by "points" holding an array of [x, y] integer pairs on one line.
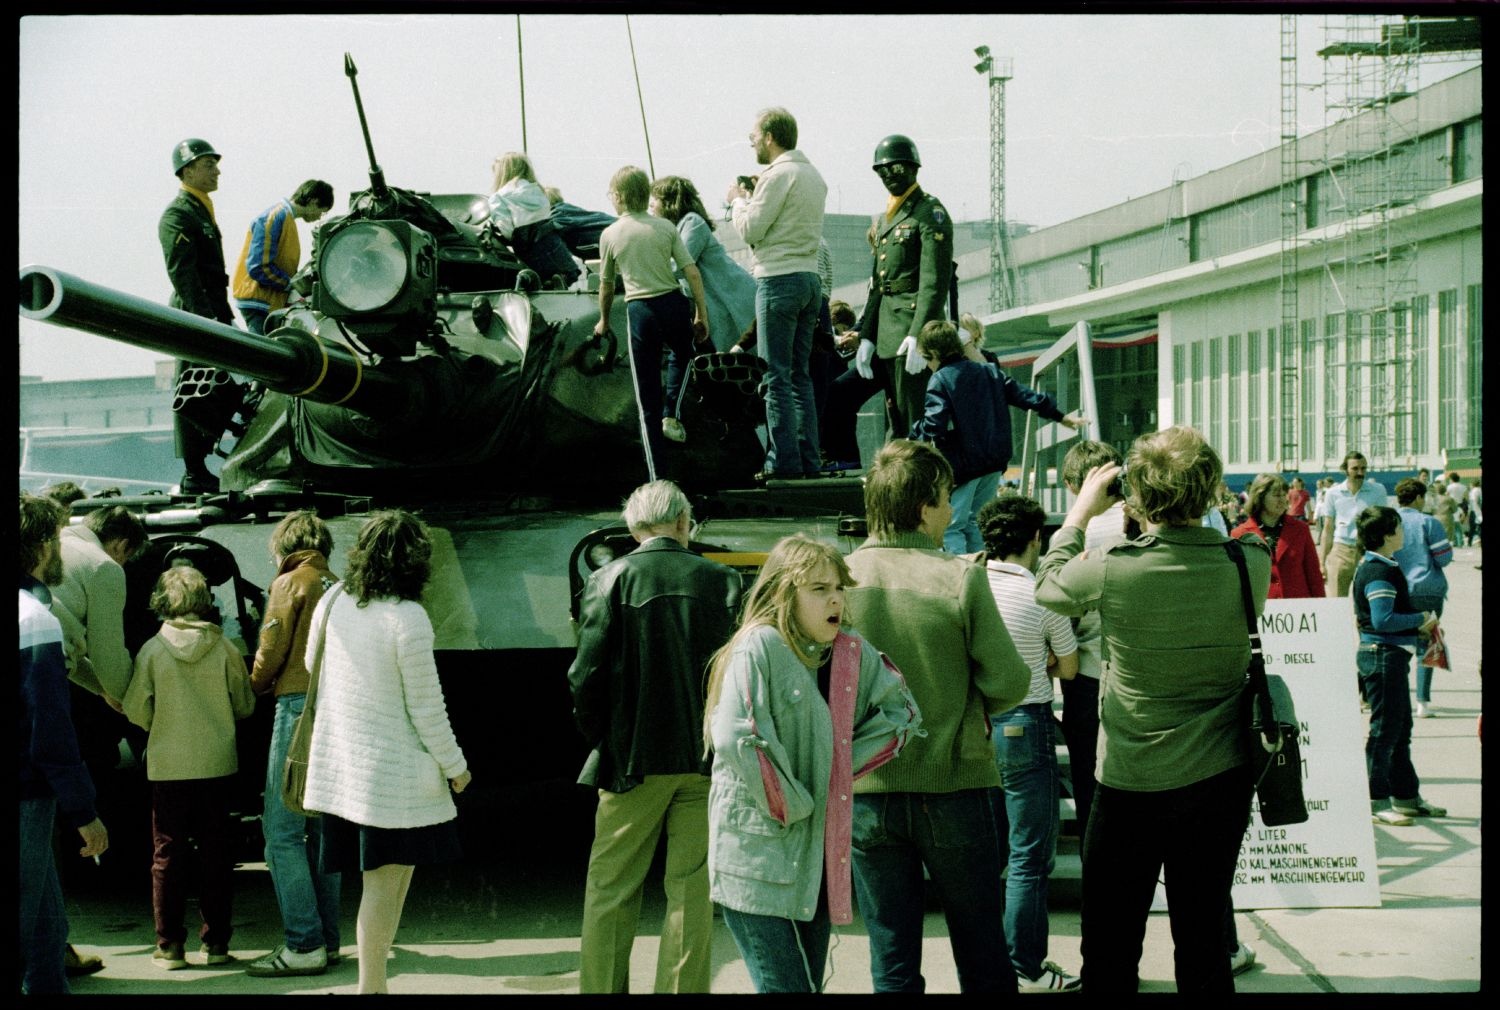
{"points": [[1101, 108]]}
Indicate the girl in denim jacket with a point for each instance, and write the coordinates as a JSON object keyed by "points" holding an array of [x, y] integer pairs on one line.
{"points": [[797, 709]]}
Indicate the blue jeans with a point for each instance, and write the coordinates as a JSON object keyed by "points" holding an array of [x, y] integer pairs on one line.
{"points": [[255, 319], [1026, 754], [962, 535], [665, 321], [1190, 837], [309, 899], [953, 835], [782, 955], [44, 924], [786, 307], [1383, 671]]}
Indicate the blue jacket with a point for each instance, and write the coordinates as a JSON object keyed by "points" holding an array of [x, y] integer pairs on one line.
{"points": [[49, 760], [1382, 606], [1424, 555], [967, 416]]}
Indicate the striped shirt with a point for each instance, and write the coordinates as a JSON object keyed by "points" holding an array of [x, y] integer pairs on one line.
{"points": [[1032, 627]]}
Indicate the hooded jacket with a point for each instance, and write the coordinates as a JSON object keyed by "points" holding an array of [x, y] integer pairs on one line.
{"points": [[188, 689]]}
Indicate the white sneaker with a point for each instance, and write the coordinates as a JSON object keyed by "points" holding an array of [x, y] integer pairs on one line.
{"points": [[1423, 712], [673, 429], [1386, 815], [1052, 979], [283, 961], [1242, 960]]}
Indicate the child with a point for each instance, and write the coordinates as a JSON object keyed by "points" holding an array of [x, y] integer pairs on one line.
{"points": [[188, 689], [641, 249], [796, 710], [967, 418], [1388, 628]]}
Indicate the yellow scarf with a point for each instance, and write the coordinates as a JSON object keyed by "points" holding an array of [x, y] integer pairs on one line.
{"points": [[202, 198], [894, 203]]}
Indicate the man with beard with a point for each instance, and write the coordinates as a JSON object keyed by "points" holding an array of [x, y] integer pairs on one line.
{"points": [[52, 775], [912, 274], [782, 222]]}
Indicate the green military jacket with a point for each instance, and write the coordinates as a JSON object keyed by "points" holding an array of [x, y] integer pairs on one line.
{"points": [[913, 266]]}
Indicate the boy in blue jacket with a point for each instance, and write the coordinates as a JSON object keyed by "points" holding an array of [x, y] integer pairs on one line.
{"points": [[967, 417]]}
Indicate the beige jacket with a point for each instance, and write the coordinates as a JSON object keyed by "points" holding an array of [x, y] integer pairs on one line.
{"points": [[90, 606], [189, 687]]}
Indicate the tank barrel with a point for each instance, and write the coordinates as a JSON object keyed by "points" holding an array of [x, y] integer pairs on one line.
{"points": [[292, 362]]}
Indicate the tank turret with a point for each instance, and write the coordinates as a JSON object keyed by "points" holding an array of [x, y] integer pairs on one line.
{"points": [[425, 359]]}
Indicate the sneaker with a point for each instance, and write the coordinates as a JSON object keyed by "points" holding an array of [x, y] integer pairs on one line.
{"points": [[216, 953], [76, 965], [334, 957], [673, 429], [1052, 979], [169, 957], [1242, 960], [1418, 808], [1387, 815], [283, 961], [1422, 711]]}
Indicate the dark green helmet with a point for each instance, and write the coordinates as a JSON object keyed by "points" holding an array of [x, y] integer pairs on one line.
{"points": [[896, 148], [189, 151]]}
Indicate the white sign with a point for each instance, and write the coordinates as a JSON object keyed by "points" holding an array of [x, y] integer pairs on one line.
{"points": [[1328, 861]]}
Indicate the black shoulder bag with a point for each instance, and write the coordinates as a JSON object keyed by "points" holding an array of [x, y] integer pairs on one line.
{"points": [[1270, 722]]}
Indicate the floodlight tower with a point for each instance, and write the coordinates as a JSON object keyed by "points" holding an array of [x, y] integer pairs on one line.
{"points": [[997, 71]]}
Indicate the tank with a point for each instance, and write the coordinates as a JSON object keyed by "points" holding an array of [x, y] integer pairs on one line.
{"points": [[426, 367]]}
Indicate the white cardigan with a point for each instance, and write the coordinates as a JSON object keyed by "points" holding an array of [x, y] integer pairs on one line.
{"points": [[382, 748]]}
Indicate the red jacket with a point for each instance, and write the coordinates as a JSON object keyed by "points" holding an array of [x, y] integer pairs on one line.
{"points": [[1295, 571]]}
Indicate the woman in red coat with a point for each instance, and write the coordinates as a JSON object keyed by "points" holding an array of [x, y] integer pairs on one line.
{"points": [[1295, 572]]}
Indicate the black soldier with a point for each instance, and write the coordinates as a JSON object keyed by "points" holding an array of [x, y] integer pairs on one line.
{"points": [[912, 274], [193, 247]]}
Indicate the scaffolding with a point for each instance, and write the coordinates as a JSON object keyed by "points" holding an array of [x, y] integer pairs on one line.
{"points": [[1367, 181], [1292, 217], [1002, 284]]}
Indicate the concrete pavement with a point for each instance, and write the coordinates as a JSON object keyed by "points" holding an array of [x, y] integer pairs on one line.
{"points": [[512, 927]]}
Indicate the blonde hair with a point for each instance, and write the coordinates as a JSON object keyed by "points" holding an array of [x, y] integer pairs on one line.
{"points": [[633, 188], [974, 327], [513, 165], [1173, 475], [772, 601], [182, 591]]}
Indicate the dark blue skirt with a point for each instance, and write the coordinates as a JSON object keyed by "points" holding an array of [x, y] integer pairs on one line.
{"points": [[347, 847]]}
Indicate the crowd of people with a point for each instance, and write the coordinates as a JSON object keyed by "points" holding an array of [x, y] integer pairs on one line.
{"points": [[848, 728]]}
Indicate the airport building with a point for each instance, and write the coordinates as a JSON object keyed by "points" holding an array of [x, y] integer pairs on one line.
{"points": [[1322, 296]]}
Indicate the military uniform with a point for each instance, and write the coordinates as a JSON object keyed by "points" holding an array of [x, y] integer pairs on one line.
{"points": [[193, 248], [913, 268]]}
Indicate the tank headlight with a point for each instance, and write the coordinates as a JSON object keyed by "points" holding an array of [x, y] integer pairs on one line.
{"points": [[364, 267], [601, 555]]}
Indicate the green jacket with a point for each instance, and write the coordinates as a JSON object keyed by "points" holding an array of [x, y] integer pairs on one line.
{"points": [[913, 265], [1174, 631], [933, 614]]}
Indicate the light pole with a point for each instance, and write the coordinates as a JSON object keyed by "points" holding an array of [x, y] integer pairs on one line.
{"points": [[997, 71]]}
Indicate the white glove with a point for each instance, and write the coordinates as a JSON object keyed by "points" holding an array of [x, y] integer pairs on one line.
{"points": [[914, 360], [863, 358]]}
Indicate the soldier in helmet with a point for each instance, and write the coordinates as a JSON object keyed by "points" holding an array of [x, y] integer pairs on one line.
{"points": [[193, 247], [912, 273]]}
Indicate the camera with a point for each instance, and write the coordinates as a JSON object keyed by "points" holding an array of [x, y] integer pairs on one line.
{"points": [[746, 181], [1116, 487]]}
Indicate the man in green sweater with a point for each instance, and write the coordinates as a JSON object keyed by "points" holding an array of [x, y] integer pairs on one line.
{"points": [[933, 614]]}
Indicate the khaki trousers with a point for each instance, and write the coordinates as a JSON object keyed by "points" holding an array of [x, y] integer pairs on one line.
{"points": [[1341, 562], [626, 828]]}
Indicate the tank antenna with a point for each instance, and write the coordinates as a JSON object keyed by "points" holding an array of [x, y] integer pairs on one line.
{"points": [[640, 100], [377, 177], [521, 72]]}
